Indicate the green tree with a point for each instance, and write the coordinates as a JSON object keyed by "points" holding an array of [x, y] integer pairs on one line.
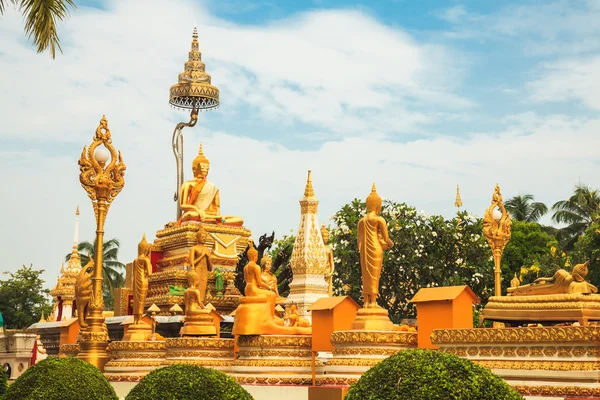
{"points": [[428, 251], [530, 253], [281, 268], [523, 208], [578, 212], [588, 248], [23, 298], [41, 17], [112, 268]]}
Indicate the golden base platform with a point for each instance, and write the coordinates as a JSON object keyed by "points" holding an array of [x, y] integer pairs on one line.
{"points": [[138, 333], [356, 351], [274, 360], [550, 362], [207, 352], [518, 310], [131, 361], [199, 325], [372, 319], [225, 243]]}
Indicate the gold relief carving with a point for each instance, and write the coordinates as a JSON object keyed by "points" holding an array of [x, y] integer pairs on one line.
{"points": [[275, 353], [69, 349], [371, 351], [87, 336], [497, 351], [295, 381], [365, 337], [353, 362], [136, 346], [186, 343], [274, 341], [485, 351], [335, 381], [202, 362], [510, 351], [536, 351], [144, 363], [564, 352], [517, 335], [473, 351], [522, 351], [593, 351], [549, 351], [277, 363], [124, 378], [309, 207], [557, 391], [461, 352], [578, 351], [201, 354], [541, 365]]}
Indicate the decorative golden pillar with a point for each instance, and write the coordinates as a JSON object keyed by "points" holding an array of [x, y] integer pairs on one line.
{"points": [[496, 229], [102, 182], [192, 92]]}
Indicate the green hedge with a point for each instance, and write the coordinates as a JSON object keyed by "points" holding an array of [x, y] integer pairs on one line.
{"points": [[3, 381], [61, 378], [429, 375], [183, 382]]}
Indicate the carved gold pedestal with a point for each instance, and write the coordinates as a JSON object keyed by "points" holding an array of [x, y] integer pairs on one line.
{"points": [[356, 351], [138, 333], [207, 352], [549, 362], [200, 324], [570, 307], [131, 361], [372, 319], [69, 350], [226, 244], [274, 360]]}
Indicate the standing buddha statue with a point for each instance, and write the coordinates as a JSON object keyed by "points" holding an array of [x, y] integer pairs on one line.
{"points": [[199, 198], [199, 258], [142, 269], [329, 255], [373, 240]]}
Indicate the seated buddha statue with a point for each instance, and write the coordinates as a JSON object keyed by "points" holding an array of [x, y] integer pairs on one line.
{"points": [[269, 278], [199, 198], [198, 321], [192, 297], [255, 286], [562, 282]]}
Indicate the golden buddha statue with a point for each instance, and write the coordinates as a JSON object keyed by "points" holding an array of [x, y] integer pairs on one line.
{"points": [[291, 315], [562, 282], [142, 269], [268, 278], [199, 198], [373, 240], [200, 261], [83, 293], [329, 255], [198, 320], [256, 313]]}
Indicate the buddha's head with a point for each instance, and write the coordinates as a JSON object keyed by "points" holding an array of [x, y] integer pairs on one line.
{"points": [[266, 262], [252, 253], [200, 165], [192, 278], [374, 201], [201, 235], [324, 234], [143, 247]]}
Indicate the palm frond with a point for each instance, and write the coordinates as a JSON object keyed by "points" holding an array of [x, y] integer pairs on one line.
{"points": [[41, 17]]}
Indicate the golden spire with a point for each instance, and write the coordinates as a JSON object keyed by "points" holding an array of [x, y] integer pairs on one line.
{"points": [[308, 190], [42, 318], [62, 268], [458, 202], [75, 262]]}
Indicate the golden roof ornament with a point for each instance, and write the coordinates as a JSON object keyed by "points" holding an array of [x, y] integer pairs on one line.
{"points": [[194, 89], [308, 190], [458, 201]]}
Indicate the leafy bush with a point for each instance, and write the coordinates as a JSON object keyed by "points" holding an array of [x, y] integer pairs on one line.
{"points": [[61, 378], [429, 375], [3, 383], [184, 382]]}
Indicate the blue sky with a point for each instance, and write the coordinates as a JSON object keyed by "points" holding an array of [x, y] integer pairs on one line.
{"points": [[418, 96]]}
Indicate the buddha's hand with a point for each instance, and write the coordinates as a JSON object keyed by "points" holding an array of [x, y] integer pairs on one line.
{"points": [[390, 243], [201, 214]]}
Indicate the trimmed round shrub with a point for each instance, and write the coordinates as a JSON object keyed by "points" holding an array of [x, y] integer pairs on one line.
{"points": [[183, 382], [59, 379], [430, 375], [3, 381]]}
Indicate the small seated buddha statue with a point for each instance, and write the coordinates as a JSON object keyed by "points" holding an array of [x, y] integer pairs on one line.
{"points": [[291, 314], [255, 286], [269, 278], [199, 198], [197, 318], [562, 282]]}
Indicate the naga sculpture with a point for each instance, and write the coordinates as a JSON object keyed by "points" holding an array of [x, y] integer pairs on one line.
{"points": [[83, 292]]}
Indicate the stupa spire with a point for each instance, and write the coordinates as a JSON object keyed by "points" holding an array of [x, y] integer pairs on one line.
{"points": [[308, 190], [75, 262], [458, 201]]}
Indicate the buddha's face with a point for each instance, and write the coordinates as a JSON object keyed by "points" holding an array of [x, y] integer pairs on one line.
{"points": [[201, 170], [201, 236], [325, 237], [267, 265]]}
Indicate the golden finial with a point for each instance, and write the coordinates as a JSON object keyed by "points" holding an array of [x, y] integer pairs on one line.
{"points": [[458, 202], [200, 158], [43, 319], [77, 210], [308, 191]]}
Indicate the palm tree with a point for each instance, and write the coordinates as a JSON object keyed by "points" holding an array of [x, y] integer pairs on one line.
{"points": [[579, 211], [40, 18], [523, 208], [112, 268]]}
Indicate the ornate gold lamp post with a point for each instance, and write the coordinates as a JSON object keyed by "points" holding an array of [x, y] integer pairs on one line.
{"points": [[102, 177], [496, 229], [193, 92]]}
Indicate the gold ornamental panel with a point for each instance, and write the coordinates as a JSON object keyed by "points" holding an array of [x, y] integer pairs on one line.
{"points": [[365, 337], [274, 341], [517, 335]]}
